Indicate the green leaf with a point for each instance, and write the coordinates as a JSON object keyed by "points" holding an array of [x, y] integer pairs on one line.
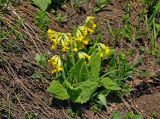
{"points": [[116, 115], [95, 64], [102, 3], [42, 4], [69, 63], [131, 115], [102, 99], [75, 70], [84, 73], [138, 117], [157, 27], [58, 90], [74, 94], [41, 59], [88, 88], [83, 92], [109, 84]]}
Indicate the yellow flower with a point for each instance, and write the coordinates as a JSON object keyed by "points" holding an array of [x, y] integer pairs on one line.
{"points": [[103, 50], [52, 35], [89, 19], [90, 31], [90, 23], [65, 49], [89, 57], [80, 38], [53, 47], [82, 55], [84, 30], [60, 39], [107, 50], [65, 43], [85, 42], [66, 40], [94, 26], [57, 69], [101, 54], [55, 61], [50, 32], [75, 50]]}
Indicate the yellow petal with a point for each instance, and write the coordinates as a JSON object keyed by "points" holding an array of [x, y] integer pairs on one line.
{"points": [[85, 42], [75, 50], [107, 50], [53, 47], [65, 49], [101, 54]]}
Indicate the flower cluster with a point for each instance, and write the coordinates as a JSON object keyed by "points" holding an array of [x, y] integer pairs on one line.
{"points": [[75, 43], [59, 39], [83, 55], [103, 50], [56, 63]]}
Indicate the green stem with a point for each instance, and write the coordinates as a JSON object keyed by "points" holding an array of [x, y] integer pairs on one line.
{"points": [[63, 71], [72, 53]]}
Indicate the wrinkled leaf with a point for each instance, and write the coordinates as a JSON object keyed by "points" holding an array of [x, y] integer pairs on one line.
{"points": [[83, 92], [109, 84], [42, 4], [102, 99], [84, 73], [76, 69], [95, 64], [88, 88], [58, 90]]}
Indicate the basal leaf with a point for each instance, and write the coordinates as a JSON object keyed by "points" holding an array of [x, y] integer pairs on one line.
{"points": [[95, 64], [75, 71], [83, 92], [74, 93], [102, 99], [88, 88], [109, 84], [42, 4], [58, 90], [84, 73]]}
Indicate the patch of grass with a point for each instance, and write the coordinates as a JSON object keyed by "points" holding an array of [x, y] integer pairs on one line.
{"points": [[31, 116], [60, 18], [129, 115], [42, 20], [4, 4], [41, 59], [128, 32], [11, 33], [77, 3], [120, 71], [100, 4], [152, 22]]}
